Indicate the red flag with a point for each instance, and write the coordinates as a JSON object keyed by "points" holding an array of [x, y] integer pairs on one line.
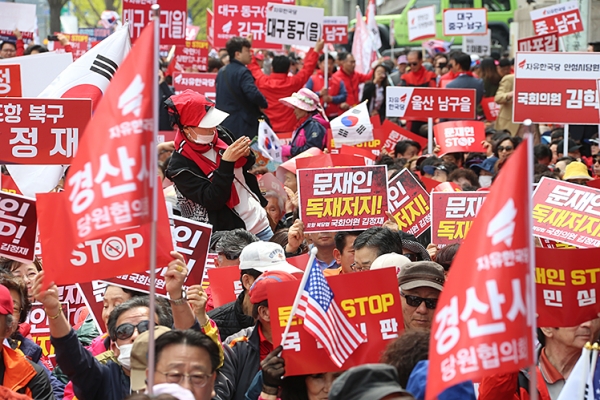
{"points": [[482, 324]]}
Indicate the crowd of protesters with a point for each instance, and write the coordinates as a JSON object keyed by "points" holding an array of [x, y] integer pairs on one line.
{"points": [[229, 352]]}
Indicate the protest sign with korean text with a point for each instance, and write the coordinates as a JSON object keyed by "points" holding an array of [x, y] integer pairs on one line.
{"points": [[553, 244], [478, 44], [556, 88], [17, 16], [416, 103], [238, 18], [452, 214], [335, 30], [93, 296], [491, 109], [293, 25], [173, 18], [193, 55], [41, 131], [18, 227], [10, 80], [371, 302], [344, 198], [225, 284], [562, 18], [566, 286], [567, 212], [483, 321], [79, 43], [201, 82], [547, 43], [409, 203], [465, 21], [393, 133], [421, 23], [460, 136]]}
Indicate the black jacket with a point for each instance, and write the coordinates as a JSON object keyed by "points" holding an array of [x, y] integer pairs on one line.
{"points": [[370, 94], [230, 318], [238, 95], [203, 199]]}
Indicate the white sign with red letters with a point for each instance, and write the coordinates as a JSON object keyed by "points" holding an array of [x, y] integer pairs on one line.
{"points": [[421, 23], [563, 18]]}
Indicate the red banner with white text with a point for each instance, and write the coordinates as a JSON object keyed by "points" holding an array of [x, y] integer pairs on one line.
{"points": [[18, 227], [409, 203], [460, 136], [452, 214]]}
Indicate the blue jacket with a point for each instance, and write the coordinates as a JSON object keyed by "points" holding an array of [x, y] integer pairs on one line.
{"points": [[238, 95], [468, 82], [418, 381], [91, 379]]}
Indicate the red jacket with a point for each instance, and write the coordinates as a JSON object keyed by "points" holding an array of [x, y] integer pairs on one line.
{"points": [[351, 82], [280, 85], [318, 82], [446, 78], [420, 78]]}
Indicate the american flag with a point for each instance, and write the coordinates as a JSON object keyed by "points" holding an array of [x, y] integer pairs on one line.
{"points": [[324, 319]]}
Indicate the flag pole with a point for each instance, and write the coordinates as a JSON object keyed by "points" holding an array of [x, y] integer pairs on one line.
{"points": [[153, 163], [326, 65], [311, 260], [533, 393]]}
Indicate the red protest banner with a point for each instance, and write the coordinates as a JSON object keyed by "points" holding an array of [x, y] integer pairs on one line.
{"points": [[370, 300], [8, 185], [78, 42], [191, 240], [345, 198], [225, 284], [547, 43], [93, 296], [483, 315], [557, 88], [193, 56], [40, 331], [237, 18], [18, 227], [562, 18], [566, 282], [202, 83], [409, 203], [10, 80], [491, 109], [452, 214], [173, 18], [335, 30], [416, 103], [42, 131], [553, 244], [567, 212], [460, 136]]}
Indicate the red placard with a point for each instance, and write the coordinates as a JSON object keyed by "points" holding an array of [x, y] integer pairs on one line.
{"points": [[194, 55], [344, 198], [567, 213], [78, 42], [210, 27], [240, 18], [544, 43], [93, 295], [370, 300], [202, 83], [10, 80], [41, 131], [562, 18], [173, 18], [191, 240], [8, 185], [452, 214], [566, 286], [415, 103], [460, 136], [553, 244], [491, 109], [225, 284], [335, 30], [18, 227], [409, 203]]}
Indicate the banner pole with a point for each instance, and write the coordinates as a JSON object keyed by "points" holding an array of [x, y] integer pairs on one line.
{"points": [[533, 392], [326, 65], [566, 140], [430, 135], [153, 163]]}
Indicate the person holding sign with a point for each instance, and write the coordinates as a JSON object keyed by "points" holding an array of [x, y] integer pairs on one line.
{"points": [[210, 169]]}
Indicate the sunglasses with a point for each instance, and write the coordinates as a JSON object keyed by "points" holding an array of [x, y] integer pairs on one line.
{"points": [[415, 301], [507, 148], [596, 160], [125, 331], [413, 64]]}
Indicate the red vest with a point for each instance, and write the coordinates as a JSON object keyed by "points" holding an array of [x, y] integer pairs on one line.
{"points": [[318, 79]]}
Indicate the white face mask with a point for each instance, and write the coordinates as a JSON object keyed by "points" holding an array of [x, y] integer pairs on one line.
{"points": [[485, 181], [202, 139], [125, 355]]}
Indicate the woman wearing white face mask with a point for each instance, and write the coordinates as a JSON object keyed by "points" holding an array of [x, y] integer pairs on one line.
{"points": [[485, 170], [210, 169]]}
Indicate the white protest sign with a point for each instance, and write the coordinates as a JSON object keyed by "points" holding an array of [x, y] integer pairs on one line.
{"points": [[480, 44], [293, 25], [17, 16], [34, 79], [352, 127], [421, 23], [465, 21]]}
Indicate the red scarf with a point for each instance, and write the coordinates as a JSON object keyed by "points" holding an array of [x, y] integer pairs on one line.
{"points": [[195, 152]]}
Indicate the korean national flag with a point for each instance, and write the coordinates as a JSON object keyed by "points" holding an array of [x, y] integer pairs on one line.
{"points": [[268, 142]]}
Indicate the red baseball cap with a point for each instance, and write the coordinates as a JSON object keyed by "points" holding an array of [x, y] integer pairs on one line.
{"points": [[258, 290], [195, 109], [6, 301]]}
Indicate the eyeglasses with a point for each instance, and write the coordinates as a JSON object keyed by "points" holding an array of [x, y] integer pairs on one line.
{"points": [[357, 267], [413, 64], [503, 148], [8, 51], [197, 380], [596, 160], [125, 331], [415, 301], [413, 257]]}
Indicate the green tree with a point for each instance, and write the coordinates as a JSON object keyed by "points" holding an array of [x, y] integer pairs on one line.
{"points": [[88, 12], [197, 13]]}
